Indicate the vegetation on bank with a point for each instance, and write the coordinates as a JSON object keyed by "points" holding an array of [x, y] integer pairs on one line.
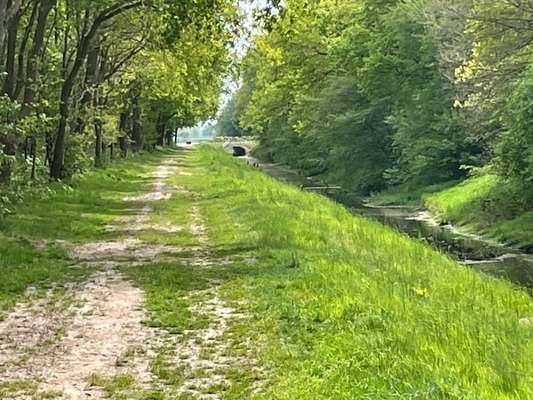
{"points": [[484, 204], [487, 205], [347, 308], [374, 94]]}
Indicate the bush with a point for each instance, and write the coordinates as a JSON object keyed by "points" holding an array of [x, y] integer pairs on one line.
{"points": [[514, 150]]}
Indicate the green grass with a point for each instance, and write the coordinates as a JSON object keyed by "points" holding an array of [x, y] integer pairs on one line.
{"points": [[456, 203], [518, 231], [346, 308], [339, 307], [484, 204]]}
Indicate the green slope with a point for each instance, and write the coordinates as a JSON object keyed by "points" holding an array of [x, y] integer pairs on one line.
{"points": [[348, 309]]}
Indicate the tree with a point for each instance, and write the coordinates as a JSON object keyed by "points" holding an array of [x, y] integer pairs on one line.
{"points": [[227, 121], [81, 64]]}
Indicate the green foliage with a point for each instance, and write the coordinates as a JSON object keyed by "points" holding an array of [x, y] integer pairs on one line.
{"points": [[227, 124], [82, 76], [355, 92], [514, 150]]}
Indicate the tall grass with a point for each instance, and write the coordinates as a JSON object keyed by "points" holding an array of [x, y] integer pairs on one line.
{"points": [[349, 309]]}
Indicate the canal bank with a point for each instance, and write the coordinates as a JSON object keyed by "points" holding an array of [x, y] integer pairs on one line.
{"points": [[472, 250]]}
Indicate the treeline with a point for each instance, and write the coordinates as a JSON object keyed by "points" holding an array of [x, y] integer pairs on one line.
{"points": [[82, 81], [378, 93]]}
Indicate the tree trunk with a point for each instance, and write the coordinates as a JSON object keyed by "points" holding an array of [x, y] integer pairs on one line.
{"points": [[123, 127], [6, 166], [161, 130], [3, 29], [122, 144], [22, 52], [8, 10], [49, 149], [58, 157], [34, 156], [91, 82], [168, 138], [26, 148], [9, 83], [32, 66], [98, 144], [136, 127]]}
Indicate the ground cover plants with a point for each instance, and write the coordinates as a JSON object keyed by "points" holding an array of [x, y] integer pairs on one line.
{"points": [[247, 287], [351, 309]]}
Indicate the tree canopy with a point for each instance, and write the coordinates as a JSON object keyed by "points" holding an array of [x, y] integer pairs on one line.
{"points": [[80, 77], [378, 93]]}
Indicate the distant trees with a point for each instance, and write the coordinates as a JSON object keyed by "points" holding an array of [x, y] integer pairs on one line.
{"points": [[380, 93], [227, 122], [80, 77]]}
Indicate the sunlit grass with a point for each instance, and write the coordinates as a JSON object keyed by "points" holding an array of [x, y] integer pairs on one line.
{"points": [[350, 309], [339, 307], [461, 202]]}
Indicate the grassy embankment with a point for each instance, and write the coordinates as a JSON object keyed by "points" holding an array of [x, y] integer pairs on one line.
{"points": [[340, 307], [74, 213], [345, 308], [481, 204]]}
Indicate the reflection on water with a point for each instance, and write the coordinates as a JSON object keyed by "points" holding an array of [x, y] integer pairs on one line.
{"points": [[471, 250]]}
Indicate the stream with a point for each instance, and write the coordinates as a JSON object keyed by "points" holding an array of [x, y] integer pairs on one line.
{"points": [[469, 249]]}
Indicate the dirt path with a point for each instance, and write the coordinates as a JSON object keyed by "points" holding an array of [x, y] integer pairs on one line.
{"points": [[58, 345]]}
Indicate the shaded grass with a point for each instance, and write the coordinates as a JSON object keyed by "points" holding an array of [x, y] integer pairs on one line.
{"points": [[347, 308], [464, 201], [22, 265]]}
